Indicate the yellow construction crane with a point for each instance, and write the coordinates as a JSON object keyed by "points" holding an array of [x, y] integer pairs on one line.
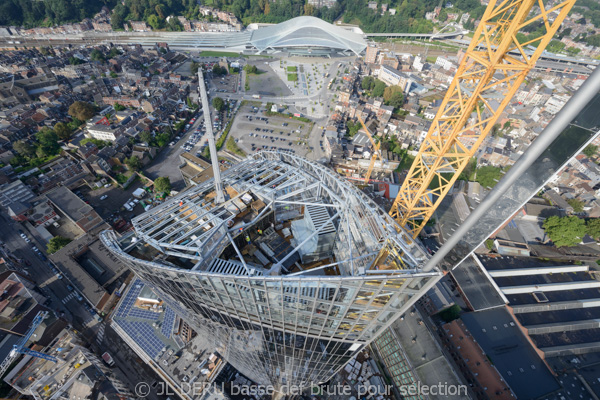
{"points": [[376, 152], [490, 72]]}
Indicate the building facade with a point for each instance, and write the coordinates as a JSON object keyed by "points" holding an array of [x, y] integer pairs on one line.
{"points": [[289, 278]]}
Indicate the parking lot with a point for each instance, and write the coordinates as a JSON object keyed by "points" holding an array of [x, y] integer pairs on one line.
{"points": [[109, 207], [166, 163], [253, 131], [225, 84]]}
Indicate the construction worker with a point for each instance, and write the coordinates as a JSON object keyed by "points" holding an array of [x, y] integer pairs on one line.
{"points": [[247, 239], [259, 231]]}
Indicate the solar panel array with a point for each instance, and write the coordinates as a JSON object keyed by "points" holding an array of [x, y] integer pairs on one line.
{"points": [[143, 314], [168, 323], [143, 334], [130, 299]]}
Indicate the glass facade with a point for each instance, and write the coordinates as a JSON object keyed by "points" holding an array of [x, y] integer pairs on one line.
{"points": [[279, 323]]}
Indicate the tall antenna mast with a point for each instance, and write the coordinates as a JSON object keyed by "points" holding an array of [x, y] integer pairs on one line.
{"points": [[219, 198]]}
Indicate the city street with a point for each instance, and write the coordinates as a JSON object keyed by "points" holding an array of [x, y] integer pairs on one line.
{"points": [[131, 369], [167, 161], [39, 271]]}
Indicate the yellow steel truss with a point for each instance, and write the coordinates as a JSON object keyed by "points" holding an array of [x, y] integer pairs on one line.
{"points": [[492, 69], [376, 152]]}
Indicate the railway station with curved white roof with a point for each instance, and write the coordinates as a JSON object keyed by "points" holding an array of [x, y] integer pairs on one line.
{"points": [[307, 36]]}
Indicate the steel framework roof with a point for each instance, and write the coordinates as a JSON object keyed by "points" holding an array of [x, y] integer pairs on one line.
{"points": [[192, 226]]}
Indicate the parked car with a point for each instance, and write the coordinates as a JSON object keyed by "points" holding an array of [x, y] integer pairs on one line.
{"points": [[103, 197]]}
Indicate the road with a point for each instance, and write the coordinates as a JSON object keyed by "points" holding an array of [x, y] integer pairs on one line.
{"points": [[166, 163], [129, 367], [63, 301]]}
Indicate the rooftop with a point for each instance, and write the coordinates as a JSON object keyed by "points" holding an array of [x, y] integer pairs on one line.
{"points": [[157, 333], [71, 205], [511, 353], [282, 215], [477, 286]]}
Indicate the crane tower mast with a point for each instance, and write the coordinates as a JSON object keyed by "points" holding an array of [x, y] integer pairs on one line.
{"points": [[490, 72]]}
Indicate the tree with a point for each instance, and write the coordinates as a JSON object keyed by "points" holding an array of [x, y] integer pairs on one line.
{"points": [[488, 175], [116, 21], [118, 107], [309, 9], [565, 231], [218, 70], [593, 227], [47, 143], [159, 11], [133, 163], [146, 137], [194, 68], [97, 55], [489, 243], [63, 131], [555, 46], [389, 91], [99, 143], [367, 83], [397, 100], [218, 104], [590, 150], [450, 313], [378, 89], [162, 139], [82, 110], [114, 52], [250, 69], [75, 61], [113, 74], [155, 22], [576, 204], [174, 25], [353, 127], [24, 148], [496, 130], [57, 243], [443, 16], [162, 184]]}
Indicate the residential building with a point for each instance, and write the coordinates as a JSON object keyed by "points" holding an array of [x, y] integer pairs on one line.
{"points": [[371, 54], [14, 192]]}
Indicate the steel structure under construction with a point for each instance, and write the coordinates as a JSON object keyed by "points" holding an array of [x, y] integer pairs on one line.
{"points": [[289, 277], [290, 271]]}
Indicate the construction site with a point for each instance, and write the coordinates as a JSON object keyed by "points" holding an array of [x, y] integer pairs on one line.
{"points": [[287, 270]]}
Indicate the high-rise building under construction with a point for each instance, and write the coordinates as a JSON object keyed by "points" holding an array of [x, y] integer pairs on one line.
{"points": [[288, 270], [289, 277]]}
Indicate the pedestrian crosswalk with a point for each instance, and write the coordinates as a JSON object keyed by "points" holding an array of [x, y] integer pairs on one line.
{"points": [[68, 298], [100, 334]]}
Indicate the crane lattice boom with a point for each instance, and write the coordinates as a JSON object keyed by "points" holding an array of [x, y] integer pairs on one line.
{"points": [[20, 346], [376, 152], [485, 82]]}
